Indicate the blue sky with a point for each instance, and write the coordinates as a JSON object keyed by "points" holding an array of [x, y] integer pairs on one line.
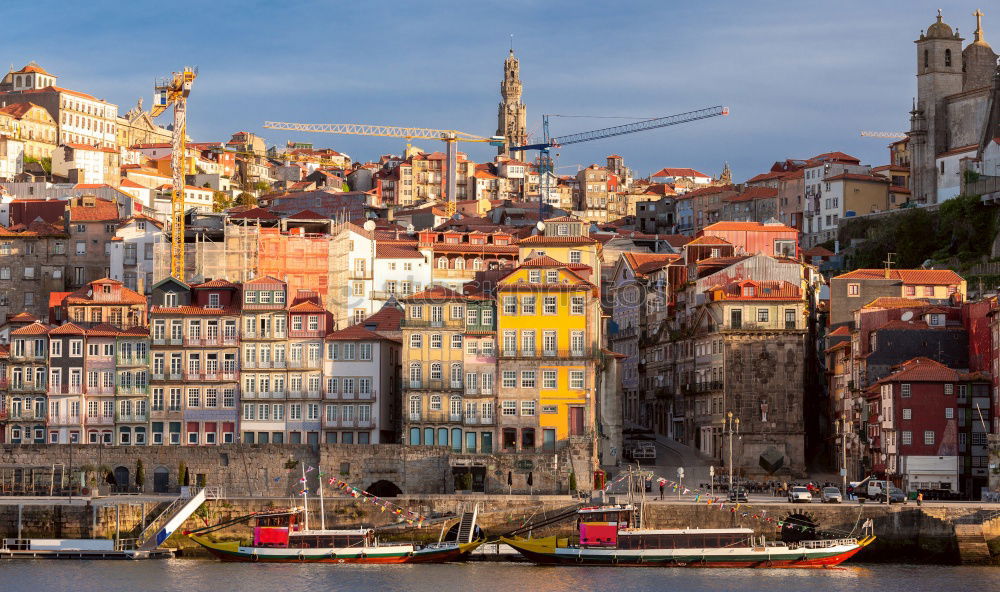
{"points": [[800, 78]]}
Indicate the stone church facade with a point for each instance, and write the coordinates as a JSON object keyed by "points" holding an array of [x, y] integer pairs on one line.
{"points": [[511, 114], [955, 88]]}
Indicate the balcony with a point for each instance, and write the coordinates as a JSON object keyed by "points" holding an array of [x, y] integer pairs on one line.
{"points": [[314, 394], [457, 324], [415, 384], [132, 390], [102, 420], [414, 416], [175, 376], [133, 418], [22, 387], [132, 360], [559, 354]]}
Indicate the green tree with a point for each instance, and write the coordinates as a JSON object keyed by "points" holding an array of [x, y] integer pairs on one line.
{"points": [[140, 474], [221, 201], [182, 474], [246, 199], [572, 482], [45, 162], [261, 186]]}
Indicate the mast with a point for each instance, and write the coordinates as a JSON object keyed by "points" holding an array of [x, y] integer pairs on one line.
{"points": [[305, 497], [322, 510]]}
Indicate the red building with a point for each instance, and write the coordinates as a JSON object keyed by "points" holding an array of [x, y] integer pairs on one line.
{"points": [[927, 428], [772, 238]]}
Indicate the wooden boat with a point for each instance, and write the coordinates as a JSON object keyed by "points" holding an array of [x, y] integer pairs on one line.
{"points": [[607, 538], [278, 538]]}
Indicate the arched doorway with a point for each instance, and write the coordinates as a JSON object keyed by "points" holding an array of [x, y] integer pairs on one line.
{"points": [[161, 480], [121, 478], [384, 488]]}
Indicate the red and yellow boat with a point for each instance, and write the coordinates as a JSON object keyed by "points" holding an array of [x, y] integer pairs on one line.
{"points": [[607, 538]]}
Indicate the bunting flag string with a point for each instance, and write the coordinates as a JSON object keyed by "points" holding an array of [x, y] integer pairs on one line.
{"points": [[364, 497]]}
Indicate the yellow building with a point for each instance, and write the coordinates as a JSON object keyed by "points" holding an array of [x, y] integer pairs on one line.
{"points": [[32, 125], [566, 239], [548, 331]]}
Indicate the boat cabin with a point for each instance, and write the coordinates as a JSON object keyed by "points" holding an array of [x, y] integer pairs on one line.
{"points": [[694, 538], [273, 530], [599, 526], [327, 539]]}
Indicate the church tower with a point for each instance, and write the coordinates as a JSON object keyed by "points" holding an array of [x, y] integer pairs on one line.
{"points": [[978, 59], [939, 74], [511, 116]]}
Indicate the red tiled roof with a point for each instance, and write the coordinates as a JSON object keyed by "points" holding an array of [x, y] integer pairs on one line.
{"points": [[57, 298], [835, 156], [255, 214], [356, 333], [857, 177], [765, 290], [36, 328], [644, 263], [708, 240], [395, 251], [540, 239], [22, 317], [36, 228], [898, 189], [841, 331], [891, 302], [194, 310], [103, 210], [935, 277], [543, 261], [679, 172], [127, 296], [306, 306], [307, 215], [766, 176], [387, 319], [818, 251], [752, 193], [959, 150], [32, 68], [219, 283], [103, 330], [68, 329], [18, 110], [264, 279], [922, 369]]}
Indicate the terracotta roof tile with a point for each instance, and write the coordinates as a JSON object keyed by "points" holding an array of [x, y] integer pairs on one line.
{"points": [[540, 239], [102, 211], [395, 251], [935, 277], [841, 331], [891, 302], [36, 328], [708, 240], [387, 319], [68, 329], [356, 333], [755, 226]]}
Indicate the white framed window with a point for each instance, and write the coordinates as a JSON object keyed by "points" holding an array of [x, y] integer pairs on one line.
{"points": [[907, 437], [508, 379], [907, 413], [929, 437], [416, 340], [549, 380], [949, 413], [576, 379], [509, 408], [528, 408], [904, 389]]}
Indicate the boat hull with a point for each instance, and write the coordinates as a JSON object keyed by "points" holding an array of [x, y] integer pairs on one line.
{"points": [[233, 552], [545, 553]]}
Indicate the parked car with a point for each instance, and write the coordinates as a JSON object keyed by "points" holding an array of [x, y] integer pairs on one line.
{"points": [[896, 496], [831, 495], [799, 493], [739, 495]]}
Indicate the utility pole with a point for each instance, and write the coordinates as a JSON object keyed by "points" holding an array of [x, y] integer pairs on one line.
{"points": [[731, 426]]}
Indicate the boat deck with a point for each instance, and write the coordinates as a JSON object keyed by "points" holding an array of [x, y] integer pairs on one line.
{"points": [[81, 554]]}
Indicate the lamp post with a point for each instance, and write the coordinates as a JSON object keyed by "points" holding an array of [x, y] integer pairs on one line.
{"points": [[731, 426], [843, 427]]}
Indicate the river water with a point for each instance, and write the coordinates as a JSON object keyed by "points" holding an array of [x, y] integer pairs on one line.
{"points": [[187, 575]]}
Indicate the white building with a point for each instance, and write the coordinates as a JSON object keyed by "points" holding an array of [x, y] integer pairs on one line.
{"points": [[949, 171], [132, 252], [361, 371], [80, 163], [11, 157], [378, 271], [673, 175]]}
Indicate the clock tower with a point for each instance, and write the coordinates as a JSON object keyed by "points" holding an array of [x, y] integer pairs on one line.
{"points": [[511, 115]]}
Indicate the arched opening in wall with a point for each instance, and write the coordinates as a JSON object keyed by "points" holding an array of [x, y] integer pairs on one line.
{"points": [[161, 480], [799, 526], [383, 488], [121, 475]]}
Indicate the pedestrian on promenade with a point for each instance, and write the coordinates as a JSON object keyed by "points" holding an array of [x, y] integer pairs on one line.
{"points": [[920, 498], [661, 489]]}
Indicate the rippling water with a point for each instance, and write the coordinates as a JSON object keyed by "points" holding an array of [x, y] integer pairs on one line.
{"points": [[186, 575]]}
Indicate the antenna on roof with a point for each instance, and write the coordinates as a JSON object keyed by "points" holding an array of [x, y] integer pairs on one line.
{"points": [[888, 263]]}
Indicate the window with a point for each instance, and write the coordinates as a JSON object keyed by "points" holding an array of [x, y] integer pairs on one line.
{"points": [[929, 437], [949, 413], [907, 437], [436, 341], [416, 340], [508, 379], [528, 305], [509, 408], [435, 404], [907, 413], [435, 371], [949, 389], [510, 305], [456, 341], [534, 276], [576, 379], [457, 312], [577, 305], [762, 315], [853, 289], [527, 379], [905, 389], [575, 256], [416, 312], [548, 379], [528, 408]]}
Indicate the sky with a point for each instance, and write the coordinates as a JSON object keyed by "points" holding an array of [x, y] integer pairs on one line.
{"points": [[799, 78]]}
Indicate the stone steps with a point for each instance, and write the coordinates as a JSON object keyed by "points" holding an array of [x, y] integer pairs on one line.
{"points": [[972, 547]]}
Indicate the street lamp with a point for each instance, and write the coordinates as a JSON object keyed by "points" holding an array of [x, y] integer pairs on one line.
{"points": [[731, 426], [843, 427]]}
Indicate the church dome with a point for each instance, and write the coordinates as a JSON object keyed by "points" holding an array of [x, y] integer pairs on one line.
{"points": [[940, 29]]}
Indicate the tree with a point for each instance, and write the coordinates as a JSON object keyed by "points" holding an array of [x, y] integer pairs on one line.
{"points": [[140, 474], [572, 482], [182, 474], [246, 199], [221, 201], [262, 186]]}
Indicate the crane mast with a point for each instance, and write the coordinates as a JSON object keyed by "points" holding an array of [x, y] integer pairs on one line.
{"points": [[173, 92]]}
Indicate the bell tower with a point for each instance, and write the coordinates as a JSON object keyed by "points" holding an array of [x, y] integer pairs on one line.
{"points": [[511, 115]]}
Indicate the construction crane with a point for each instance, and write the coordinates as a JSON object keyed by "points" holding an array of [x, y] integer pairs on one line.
{"points": [[894, 135], [548, 143], [173, 92], [449, 137]]}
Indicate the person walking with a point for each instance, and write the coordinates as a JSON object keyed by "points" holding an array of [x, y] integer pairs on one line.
{"points": [[661, 489], [920, 498]]}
